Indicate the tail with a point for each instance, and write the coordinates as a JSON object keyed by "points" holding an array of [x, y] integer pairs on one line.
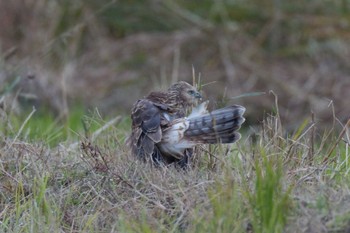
{"points": [[219, 126]]}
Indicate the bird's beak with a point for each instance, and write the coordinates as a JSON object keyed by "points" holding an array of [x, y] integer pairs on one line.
{"points": [[198, 95]]}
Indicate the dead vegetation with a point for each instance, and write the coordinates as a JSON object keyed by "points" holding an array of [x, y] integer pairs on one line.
{"points": [[97, 54], [268, 182], [290, 171]]}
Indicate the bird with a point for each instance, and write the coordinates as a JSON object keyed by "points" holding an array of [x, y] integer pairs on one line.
{"points": [[163, 132]]}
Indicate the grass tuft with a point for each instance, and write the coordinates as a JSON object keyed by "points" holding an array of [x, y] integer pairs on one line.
{"points": [[268, 182], [269, 201]]}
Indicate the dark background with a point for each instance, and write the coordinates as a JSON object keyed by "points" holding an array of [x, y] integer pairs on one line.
{"points": [[107, 54]]}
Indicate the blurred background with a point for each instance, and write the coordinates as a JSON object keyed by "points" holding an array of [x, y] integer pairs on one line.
{"points": [[65, 55]]}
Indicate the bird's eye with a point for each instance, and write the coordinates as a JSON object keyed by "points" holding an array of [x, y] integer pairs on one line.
{"points": [[191, 92]]}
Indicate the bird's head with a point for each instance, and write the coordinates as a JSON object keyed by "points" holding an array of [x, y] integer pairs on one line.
{"points": [[186, 93]]}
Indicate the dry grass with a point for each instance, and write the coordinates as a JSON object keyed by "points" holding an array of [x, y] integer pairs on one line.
{"points": [[269, 182], [98, 53], [289, 173]]}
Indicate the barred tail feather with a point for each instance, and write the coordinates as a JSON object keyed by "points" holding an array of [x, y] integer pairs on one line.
{"points": [[219, 126]]}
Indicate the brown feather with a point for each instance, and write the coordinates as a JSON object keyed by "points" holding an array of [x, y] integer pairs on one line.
{"points": [[161, 133]]}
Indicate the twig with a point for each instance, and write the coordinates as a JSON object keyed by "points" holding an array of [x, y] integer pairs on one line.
{"points": [[312, 139], [22, 127], [230, 69], [176, 65], [179, 219], [10, 52], [278, 126], [115, 120], [211, 154], [300, 137], [188, 15], [193, 76], [337, 142], [10, 176], [249, 94]]}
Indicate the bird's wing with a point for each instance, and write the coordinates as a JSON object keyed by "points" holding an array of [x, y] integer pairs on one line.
{"points": [[172, 143], [146, 128], [219, 126]]}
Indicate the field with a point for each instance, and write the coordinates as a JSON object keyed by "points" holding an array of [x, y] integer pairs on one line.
{"points": [[268, 182], [69, 74]]}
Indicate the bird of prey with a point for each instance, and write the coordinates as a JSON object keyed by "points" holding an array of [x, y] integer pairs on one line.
{"points": [[161, 132]]}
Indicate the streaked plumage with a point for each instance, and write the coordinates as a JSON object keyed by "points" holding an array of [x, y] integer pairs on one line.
{"points": [[161, 132]]}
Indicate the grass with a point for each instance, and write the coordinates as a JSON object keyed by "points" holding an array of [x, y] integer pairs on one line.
{"points": [[75, 174], [268, 182], [86, 45]]}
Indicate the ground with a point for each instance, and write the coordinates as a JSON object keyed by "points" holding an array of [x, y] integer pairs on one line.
{"points": [[70, 72]]}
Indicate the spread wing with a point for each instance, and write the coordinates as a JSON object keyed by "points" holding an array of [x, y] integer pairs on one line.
{"points": [[219, 126], [161, 136], [146, 129]]}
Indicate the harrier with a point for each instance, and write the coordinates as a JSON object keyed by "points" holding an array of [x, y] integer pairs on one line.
{"points": [[161, 132]]}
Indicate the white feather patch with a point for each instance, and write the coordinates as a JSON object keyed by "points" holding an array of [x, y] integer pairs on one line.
{"points": [[173, 138], [199, 110]]}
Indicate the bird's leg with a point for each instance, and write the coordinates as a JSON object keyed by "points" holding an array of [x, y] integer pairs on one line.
{"points": [[184, 162]]}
